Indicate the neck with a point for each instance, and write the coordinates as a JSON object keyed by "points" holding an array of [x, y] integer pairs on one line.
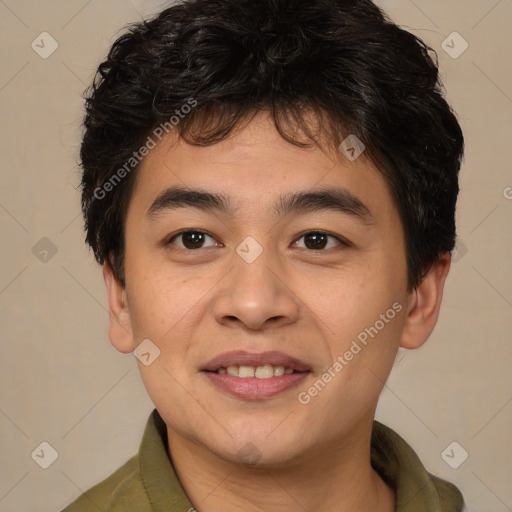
{"points": [[328, 478]]}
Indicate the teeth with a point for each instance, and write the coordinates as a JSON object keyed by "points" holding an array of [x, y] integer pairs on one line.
{"points": [[232, 370], [279, 370], [245, 372], [265, 371]]}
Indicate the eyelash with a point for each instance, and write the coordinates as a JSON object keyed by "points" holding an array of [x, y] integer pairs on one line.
{"points": [[342, 242]]}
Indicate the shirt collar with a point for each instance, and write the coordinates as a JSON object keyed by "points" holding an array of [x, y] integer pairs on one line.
{"points": [[399, 466], [158, 476]]}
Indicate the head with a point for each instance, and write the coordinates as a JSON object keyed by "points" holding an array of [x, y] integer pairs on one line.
{"points": [[248, 103]]}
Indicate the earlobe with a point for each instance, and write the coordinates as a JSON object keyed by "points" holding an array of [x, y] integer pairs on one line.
{"points": [[120, 328], [424, 305]]}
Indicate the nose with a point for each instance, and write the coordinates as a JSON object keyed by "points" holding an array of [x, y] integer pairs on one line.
{"points": [[255, 294]]}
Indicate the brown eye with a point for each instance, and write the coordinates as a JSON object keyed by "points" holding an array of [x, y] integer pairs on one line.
{"points": [[191, 240], [318, 240]]}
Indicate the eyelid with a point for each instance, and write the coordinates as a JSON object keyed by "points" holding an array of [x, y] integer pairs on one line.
{"points": [[169, 239], [340, 239]]}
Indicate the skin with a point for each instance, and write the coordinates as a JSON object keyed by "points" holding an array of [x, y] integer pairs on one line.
{"points": [[309, 303]]}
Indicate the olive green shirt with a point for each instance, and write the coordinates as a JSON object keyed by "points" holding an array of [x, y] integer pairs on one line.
{"points": [[148, 483]]}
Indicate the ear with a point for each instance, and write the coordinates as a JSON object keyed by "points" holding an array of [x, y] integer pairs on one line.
{"points": [[120, 329], [424, 304]]}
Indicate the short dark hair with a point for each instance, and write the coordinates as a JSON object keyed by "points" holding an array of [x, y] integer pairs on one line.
{"points": [[344, 61]]}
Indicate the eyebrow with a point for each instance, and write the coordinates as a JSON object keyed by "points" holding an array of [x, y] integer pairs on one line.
{"points": [[336, 199]]}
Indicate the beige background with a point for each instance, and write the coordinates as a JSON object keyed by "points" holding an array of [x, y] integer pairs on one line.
{"points": [[60, 379]]}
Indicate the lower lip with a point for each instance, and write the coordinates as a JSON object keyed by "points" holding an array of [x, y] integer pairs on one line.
{"points": [[254, 388]]}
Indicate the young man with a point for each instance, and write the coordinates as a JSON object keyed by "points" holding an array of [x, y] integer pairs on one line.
{"points": [[270, 186]]}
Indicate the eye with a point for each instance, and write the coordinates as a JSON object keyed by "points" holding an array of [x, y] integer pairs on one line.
{"points": [[191, 239], [317, 240], [195, 239]]}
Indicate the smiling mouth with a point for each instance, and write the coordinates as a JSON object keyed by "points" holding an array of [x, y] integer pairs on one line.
{"points": [[265, 371], [255, 376]]}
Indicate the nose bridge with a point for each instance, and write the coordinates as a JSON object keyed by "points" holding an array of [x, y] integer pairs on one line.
{"points": [[254, 277], [253, 268], [255, 290]]}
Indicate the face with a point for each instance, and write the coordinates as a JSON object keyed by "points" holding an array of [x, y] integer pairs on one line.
{"points": [[305, 300]]}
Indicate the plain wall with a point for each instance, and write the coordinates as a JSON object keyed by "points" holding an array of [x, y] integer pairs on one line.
{"points": [[61, 380]]}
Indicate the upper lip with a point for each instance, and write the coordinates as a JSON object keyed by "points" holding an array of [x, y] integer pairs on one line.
{"points": [[242, 358]]}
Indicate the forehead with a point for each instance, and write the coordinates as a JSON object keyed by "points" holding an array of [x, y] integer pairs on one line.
{"points": [[253, 168]]}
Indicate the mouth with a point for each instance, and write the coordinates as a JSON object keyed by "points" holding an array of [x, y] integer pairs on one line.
{"points": [[255, 376], [265, 371]]}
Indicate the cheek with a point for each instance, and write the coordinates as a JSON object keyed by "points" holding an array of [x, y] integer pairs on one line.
{"points": [[365, 313], [161, 302], [354, 299]]}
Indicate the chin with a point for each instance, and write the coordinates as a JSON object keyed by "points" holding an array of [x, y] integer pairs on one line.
{"points": [[254, 457], [259, 452]]}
